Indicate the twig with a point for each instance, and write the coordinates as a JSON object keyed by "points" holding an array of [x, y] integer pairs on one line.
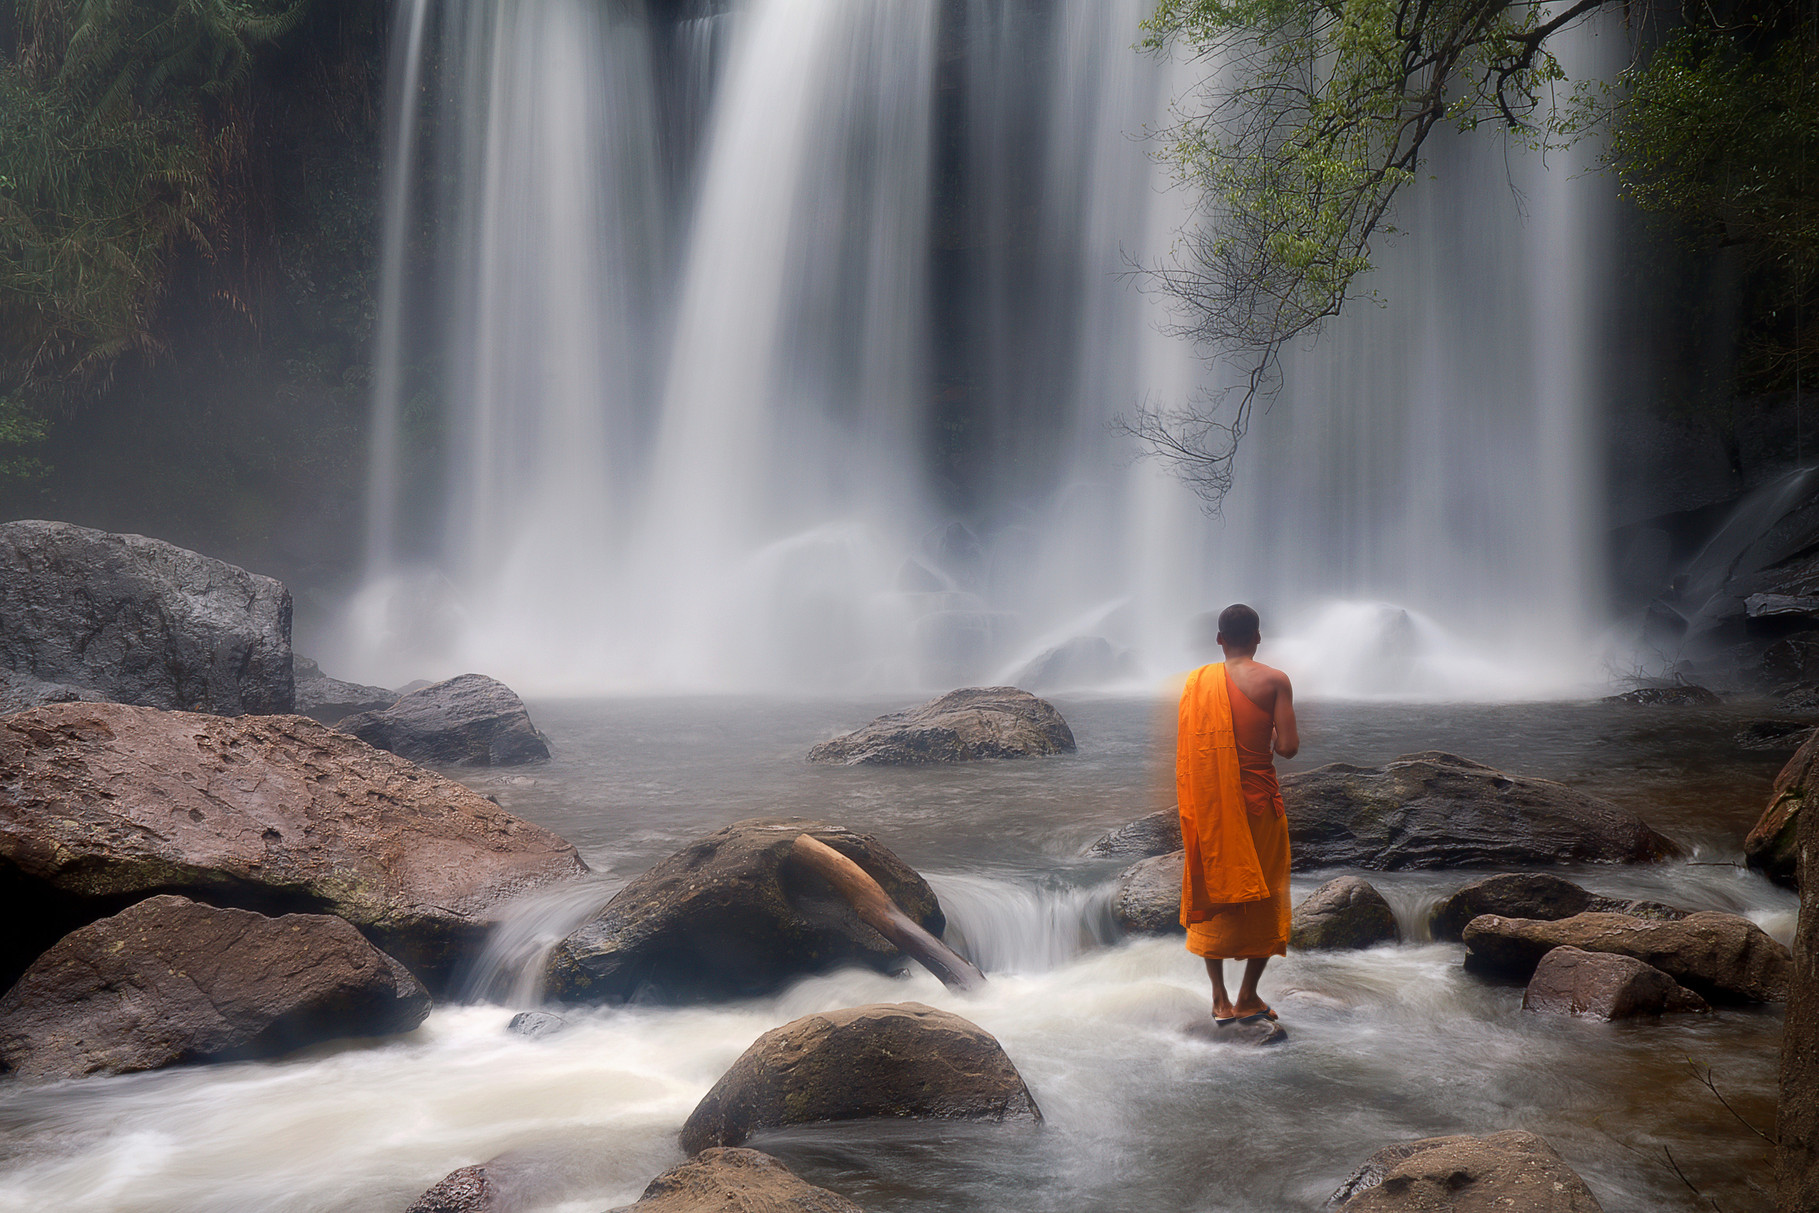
{"points": [[1706, 1080], [1689, 1183]]}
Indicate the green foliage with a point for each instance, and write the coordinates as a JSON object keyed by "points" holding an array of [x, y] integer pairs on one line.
{"points": [[1310, 120], [20, 428], [114, 132], [1721, 132]]}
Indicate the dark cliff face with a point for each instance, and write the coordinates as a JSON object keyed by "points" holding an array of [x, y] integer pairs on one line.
{"points": [[1797, 1116]]}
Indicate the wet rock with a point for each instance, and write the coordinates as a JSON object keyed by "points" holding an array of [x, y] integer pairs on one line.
{"points": [[470, 720], [1677, 696], [141, 621], [1512, 1170], [1774, 734], [1724, 957], [1147, 899], [1531, 895], [1257, 1034], [890, 1060], [1084, 661], [464, 1190], [1797, 1113], [960, 726], [168, 980], [536, 1024], [1792, 659], [329, 699], [1772, 846], [1343, 914], [18, 692], [730, 1179], [105, 804], [731, 916], [1157, 834], [1436, 810], [1604, 985]]}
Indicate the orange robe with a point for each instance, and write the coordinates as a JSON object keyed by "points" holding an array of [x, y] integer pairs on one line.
{"points": [[1234, 884]]}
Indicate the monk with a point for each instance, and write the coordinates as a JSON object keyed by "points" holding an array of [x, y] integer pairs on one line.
{"points": [[1234, 885]]}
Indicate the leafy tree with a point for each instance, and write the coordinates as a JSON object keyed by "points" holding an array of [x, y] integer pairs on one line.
{"points": [[1311, 120]]}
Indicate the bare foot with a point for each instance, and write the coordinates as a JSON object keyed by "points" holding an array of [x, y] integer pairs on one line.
{"points": [[1222, 1009]]}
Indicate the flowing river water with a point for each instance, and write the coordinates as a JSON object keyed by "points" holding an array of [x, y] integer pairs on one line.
{"points": [[1385, 1045]]}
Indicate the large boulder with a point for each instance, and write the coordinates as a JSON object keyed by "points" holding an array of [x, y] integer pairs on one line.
{"points": [[103, 804], [960, 726], [1343, 914], [1498, 1173], [887, 1060], [732, 915], [330, 699], [1797, 1113], [470, 720], [140, 621], [1157, 834], [1603, 985], [1437, 810], [1530, 895], [1724, 957], [1147, 898], [167, 980], [731, 1179], [1773, 846]]}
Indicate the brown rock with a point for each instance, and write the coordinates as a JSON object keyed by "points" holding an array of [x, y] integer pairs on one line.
{"points": [[732, 916], [1604, 985], [1147, 899], [1724, 957], [104, 804], [885, 1060], [463, 1190], [1345, 913], [1797, 1114], [1773, 846], [470, 721], [168, 980], [735, 1180], [1437, 810], [960, 726], [1531, 895], [1500, 1173]]}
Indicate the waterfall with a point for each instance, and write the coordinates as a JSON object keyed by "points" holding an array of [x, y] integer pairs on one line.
{"points": [[781, 343]]}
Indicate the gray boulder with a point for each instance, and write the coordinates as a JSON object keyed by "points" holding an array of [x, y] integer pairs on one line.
{"points": [[1147, 897], [887, 1060], [167, 980], [1498, 1173], [106, 803], [140, 621], [1604, 985], [329, 699], [1723, 957], [1157, 834], [733, 916], [1437, 810], [470, 720], [1531, 895], [1343, 914], [730, 1179], [960, 726]]}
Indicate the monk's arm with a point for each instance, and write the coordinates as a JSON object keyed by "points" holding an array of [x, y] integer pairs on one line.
{"points": [[1288, 740]]}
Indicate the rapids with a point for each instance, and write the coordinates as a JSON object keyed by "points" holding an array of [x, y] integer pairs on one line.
{"points": [[1388, 1044]]}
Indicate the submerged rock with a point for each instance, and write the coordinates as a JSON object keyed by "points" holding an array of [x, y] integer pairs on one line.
{"points": [[1604, 985], [106, 804], [1437, 810], [1773, 845], [141, 621], [536, 1024], [463, 1190], [732, 916], [329, 699], [168, 980], [960, 726], [1530, 895], [889, 1060], [1724, 957], [1346, 913], [1147, 897], [730, 1179], [1678, 696], [470, 720], [1512, 1170]]}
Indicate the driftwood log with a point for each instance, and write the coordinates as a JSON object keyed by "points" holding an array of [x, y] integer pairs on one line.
{"points": [[876, 909]]}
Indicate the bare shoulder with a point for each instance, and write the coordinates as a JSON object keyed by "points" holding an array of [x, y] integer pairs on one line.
{"points": [[1276, 680]]}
